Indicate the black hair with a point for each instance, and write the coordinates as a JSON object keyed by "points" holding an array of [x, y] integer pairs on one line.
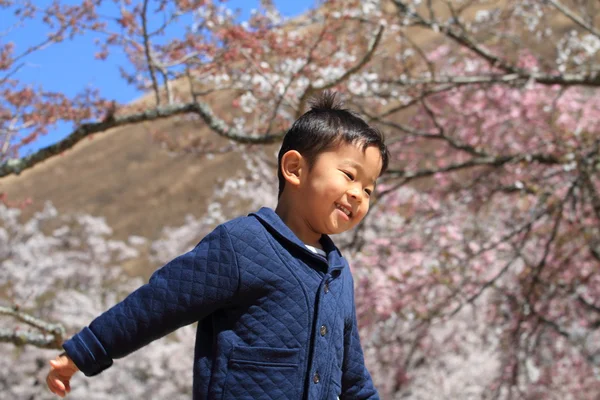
{"points": [[325, 126]]}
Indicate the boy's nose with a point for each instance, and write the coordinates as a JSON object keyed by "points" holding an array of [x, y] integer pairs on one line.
{"points": [[355, 194]]}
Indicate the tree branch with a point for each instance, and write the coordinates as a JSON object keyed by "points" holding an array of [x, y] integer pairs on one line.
{"points": [[514, 73], [307, 62], [310, 90], [50, 337], [592, 79], [22, 338], [148, 54], [16, 166], [574, 17], [461, 38], [492, 161]]}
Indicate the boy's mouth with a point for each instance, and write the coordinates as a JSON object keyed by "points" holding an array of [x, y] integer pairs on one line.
{"points": [[344, 209]]}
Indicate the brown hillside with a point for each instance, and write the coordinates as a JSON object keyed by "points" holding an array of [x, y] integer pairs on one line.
{"points": [[125, 176]]}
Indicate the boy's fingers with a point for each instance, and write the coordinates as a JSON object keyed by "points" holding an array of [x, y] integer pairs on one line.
{"points": [[61, 367], [50, 383], [57, 391], [57, 386], [63, 363], [59, 376], [58, 363], [53, 387]]}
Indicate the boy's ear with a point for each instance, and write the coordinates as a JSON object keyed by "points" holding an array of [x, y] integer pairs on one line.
{"points": [[292, 167]]}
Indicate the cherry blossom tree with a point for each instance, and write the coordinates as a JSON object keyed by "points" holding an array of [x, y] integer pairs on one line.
{"points": [[252, 60], [497, 195], [64, 269], [477, 268], [67, 269]]}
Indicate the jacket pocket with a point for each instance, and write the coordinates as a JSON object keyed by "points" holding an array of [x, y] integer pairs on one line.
{"points": [[335, 386], [262, 373]]}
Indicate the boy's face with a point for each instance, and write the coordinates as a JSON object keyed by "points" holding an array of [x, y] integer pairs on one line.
{"points": [[336, 190]]}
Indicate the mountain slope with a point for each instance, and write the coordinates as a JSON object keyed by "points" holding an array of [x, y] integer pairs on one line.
{"points": [[127, 177]]}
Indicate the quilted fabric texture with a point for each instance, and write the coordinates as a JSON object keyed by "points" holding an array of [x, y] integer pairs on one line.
{"points": [[275, 321]]}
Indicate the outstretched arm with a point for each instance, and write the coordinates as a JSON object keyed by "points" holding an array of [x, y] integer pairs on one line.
{"points": [[185, 290]]}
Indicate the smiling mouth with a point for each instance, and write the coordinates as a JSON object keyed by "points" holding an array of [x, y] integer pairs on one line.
{"points": [[343, 209]]}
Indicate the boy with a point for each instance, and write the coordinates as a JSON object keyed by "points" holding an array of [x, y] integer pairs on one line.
{"points": [[271, 293]]}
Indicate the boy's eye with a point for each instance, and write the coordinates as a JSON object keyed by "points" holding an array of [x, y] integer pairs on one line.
{"points": [[349, 175], [368, 192]]}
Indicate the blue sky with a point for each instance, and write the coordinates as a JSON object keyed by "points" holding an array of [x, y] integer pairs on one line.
{"points": [[70, 66]]}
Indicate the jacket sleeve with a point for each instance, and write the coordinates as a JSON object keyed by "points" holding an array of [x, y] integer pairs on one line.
{"points": [[356, 380], [185, 290]]}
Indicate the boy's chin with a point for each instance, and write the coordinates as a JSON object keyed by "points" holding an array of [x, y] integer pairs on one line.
{"points": [[341, 229], [336, 225]]}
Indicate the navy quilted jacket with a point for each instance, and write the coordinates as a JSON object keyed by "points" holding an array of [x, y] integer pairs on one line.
{"points": [[275, 321]]}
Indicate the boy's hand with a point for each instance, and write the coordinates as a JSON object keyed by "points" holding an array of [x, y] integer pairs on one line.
{"points": [[62, 369]]}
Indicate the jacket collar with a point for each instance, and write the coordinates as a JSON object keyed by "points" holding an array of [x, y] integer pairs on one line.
{"points": [[272, 221]]}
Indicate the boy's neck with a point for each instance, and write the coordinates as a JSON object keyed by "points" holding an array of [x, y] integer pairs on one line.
{"points": [[291, 216]]}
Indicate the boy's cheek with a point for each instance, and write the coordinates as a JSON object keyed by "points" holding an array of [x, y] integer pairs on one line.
{"points": [[365, 208], [360, 216]]}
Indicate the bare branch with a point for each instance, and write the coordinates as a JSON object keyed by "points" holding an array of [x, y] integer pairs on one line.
{"points": [[595, 197], [309, 60], [492, 161], [526, 230], [486, 285], [460, 37], [514, 73], [405, 105], [31, 320], [147, 51], [6, 77], [184, 59], [455, 143], [592, 79], [548, 246], [368, 56], [161, 29], [16, 166], [588, 305], [310, 90], [6, 144], [51, 335], [22, 338], [167, 82], [574, 17]]}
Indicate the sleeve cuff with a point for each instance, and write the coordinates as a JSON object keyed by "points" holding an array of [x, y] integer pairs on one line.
{"points": [[87, 353]]}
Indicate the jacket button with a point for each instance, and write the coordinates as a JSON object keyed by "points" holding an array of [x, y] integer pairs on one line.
{"points": [[326, 288], [323, 330], [316, 378]]}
